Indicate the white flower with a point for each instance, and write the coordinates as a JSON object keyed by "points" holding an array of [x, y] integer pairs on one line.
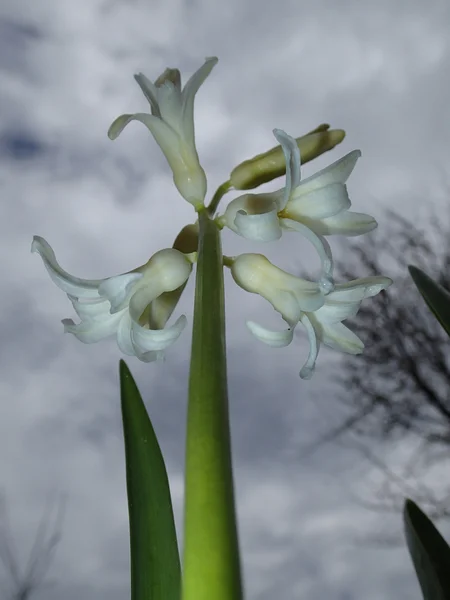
{"points": [[134, 306], [172, 125], [315, 207], [322, 320], [289, 295]]}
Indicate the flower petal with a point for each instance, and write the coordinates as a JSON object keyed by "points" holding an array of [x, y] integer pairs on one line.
{"points": [[252, 205], [320, 244], [335, 312], [151, 340], [276, 339], [307, 371], [124, 335], [118, 289], [358, 289], [346, 223], [188, 175], [81, 288], [150, 92], [288, 294], [166, 137], [318, 204], [169, 102], [93, 331], [339, 337], [338, 172], [263, 227], [91, 309], [286, 303], [143, 297], [291, 153], [188, 95]]}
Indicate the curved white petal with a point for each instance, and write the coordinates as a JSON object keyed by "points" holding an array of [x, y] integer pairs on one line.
{"points": [[290, 304], [118, 289], [259, 228], [339, 337], [150, 92], [346, 223], [150, 340], [90, 309], [358, 289], [276, 339], [188, 95], [309, 299], [81, 288], [142, 298], [307, 371], [335, 312], [92, 331], [254, 205], [124, 335], [338, 172], [318, 204], [166, 137], [291, 153], [320, 244]]}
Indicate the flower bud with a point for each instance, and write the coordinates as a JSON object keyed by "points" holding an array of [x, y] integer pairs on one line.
{"points": [[271, 164], [187, 240]]}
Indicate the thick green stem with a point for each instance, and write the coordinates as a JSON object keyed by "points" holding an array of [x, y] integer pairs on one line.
{"points": [[211, 552]]}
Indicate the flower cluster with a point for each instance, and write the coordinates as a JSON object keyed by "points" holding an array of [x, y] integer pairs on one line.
{"points": [[137, 305]]}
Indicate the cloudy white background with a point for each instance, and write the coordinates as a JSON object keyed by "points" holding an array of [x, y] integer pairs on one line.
{"points": [[379, 71]]}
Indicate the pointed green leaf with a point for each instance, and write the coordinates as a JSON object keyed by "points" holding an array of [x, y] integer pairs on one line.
{"points": [[429, 551], [155, 563], [437, 298]]}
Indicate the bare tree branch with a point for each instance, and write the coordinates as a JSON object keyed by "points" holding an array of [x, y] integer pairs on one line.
{"points": [[399, 388], [24, 582]]}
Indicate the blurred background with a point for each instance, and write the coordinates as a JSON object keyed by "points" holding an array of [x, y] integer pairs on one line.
{"points": [[321, 466]]}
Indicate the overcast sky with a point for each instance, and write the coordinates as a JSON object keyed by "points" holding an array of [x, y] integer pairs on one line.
{"points": [[379, 71]]}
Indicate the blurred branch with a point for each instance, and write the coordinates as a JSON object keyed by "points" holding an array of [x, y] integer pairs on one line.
{"points": [[399, 388], [24, 582]]}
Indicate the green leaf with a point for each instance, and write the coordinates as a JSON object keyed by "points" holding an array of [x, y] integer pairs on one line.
{"points": [[437, 298], [429, 551], [155, 562]]}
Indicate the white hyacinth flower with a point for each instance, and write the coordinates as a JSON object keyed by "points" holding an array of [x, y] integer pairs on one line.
{"points": [[315, 207], [289, 295], [172, 125], [134, 306], [300, 303]]}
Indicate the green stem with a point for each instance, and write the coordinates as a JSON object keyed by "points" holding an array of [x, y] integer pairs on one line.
{"points": [[211, 551], [220, 193]]}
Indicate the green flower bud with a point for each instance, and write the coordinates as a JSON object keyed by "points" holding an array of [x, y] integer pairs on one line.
{"points": [[270, 165], [187, 240]]}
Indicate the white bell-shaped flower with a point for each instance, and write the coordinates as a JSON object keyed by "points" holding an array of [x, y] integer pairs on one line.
{"points": [[134, 306], [300, 301], [289, 295], [171, 123]]}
